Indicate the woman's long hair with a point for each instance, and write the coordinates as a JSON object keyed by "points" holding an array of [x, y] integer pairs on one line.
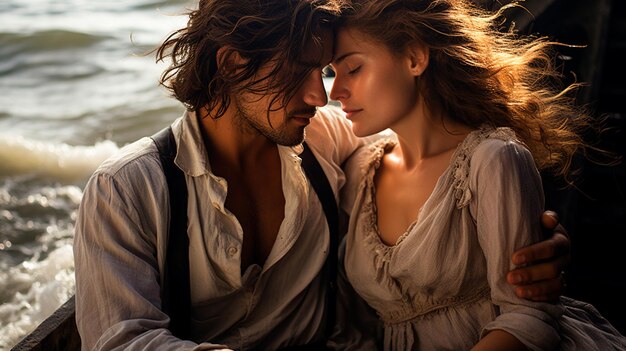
{"points": [[478, 74]]}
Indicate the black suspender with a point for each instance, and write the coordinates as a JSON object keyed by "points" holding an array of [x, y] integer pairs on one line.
{"points": [[176, 293], [319, 181]]}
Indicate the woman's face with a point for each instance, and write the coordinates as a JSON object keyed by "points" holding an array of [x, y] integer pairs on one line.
{"points": [[376, 89]]}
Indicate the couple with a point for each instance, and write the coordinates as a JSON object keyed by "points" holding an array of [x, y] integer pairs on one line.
{"points": [[250, 75]]}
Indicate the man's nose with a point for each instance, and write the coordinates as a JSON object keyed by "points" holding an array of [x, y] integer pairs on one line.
{"points": [[314, 91]]}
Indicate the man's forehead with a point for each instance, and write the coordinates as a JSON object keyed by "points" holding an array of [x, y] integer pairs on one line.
{"points": [[319, 52]]}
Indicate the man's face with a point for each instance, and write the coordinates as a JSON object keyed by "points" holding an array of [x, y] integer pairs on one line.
{"points": [[285, 126]]}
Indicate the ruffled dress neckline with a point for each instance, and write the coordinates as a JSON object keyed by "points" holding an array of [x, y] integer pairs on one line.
{"points": [[458, 167]]}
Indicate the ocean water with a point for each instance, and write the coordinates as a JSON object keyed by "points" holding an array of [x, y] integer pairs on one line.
{"points": [[74, 88]]}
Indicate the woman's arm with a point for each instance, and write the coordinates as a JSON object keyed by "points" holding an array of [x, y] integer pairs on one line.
{"points": [[507, 207]]}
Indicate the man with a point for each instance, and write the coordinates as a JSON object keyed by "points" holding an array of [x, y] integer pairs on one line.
{"points": [[250, 75]]}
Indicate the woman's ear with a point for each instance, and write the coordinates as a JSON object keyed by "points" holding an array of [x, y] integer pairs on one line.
{"points": [[418, 56]]}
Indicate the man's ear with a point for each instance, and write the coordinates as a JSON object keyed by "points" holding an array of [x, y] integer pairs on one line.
{"points": [[227, 58], [418, 57]]}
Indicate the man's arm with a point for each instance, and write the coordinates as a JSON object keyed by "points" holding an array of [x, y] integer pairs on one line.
{"points": [[539, 276], [117, 275]]}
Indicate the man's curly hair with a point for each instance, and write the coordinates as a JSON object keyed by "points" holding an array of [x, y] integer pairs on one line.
{"points": [[259, 32]]}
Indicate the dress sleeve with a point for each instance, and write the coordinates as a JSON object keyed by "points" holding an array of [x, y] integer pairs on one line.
{"points": [[507, 206], [117, 276]]}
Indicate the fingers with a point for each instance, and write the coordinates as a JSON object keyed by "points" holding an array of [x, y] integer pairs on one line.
{"points": [[550, 223], [542, 282], [540, 276], [537, 273], [545, 291], [549, 219], [556, 247]]}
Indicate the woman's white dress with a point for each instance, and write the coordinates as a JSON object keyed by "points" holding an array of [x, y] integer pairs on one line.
{"points": [[442, 285]]}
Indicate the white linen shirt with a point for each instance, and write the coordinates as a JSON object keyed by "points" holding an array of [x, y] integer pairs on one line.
{"points": [[121, 240]]}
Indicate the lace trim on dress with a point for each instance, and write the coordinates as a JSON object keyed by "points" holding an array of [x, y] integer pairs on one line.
{"points": [[428, 311], [372, 238], [460, 173], [461, 163]]}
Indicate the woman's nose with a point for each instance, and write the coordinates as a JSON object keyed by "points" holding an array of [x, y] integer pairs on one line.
{"points": [[338, 91]]}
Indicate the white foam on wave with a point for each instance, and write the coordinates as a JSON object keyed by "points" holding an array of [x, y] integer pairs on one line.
{"points": [[40, 286], [19, 155]]}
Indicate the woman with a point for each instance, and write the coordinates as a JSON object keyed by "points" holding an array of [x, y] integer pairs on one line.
{"points": [[474, 117]]}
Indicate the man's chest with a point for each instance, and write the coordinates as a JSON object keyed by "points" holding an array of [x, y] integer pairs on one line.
{"points": [[260, 213]]}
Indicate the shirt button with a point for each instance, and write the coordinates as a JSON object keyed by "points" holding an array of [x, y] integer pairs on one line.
{"points": [[232, 251]]}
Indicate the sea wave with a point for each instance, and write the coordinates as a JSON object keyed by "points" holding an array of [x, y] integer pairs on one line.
{"points": [[71, 72], [28, 53], [19, 156], [36, 288], [47, 40]]}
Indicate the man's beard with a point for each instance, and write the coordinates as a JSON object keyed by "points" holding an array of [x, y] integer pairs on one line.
{"points": [[281, 135]]}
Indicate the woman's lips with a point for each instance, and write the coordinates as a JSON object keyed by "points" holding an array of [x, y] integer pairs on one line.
{"points": [[351, 113]]}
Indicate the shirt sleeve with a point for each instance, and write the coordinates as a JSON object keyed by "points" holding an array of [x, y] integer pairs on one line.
{"points": [[332, 140], [118, 303], [507, 205]]}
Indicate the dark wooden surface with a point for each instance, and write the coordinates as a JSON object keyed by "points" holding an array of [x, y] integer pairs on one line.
{"points": [[57, 333]]}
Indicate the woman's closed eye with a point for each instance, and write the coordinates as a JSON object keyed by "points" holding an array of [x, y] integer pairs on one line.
{"points": [[354, 71]]}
